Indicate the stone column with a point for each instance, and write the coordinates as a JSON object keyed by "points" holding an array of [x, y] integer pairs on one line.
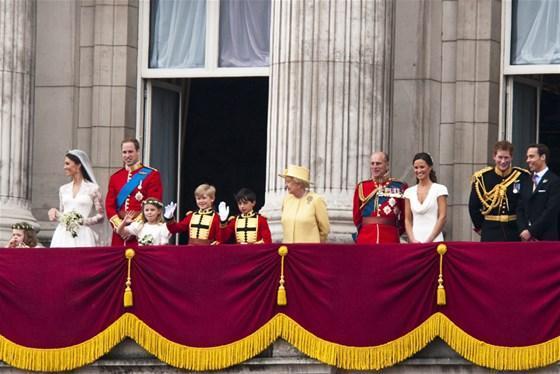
{"points": [[477, 95], [16, 108], [329, 99]]}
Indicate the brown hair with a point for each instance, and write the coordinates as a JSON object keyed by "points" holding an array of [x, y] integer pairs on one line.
{"points": [[503, 145], [133, 141], [77, 161], [542, 149], [428, 159], [29, 234]]}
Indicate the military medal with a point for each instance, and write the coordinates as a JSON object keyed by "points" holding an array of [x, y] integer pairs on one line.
{"points": [[139, 195], [516, 187]]}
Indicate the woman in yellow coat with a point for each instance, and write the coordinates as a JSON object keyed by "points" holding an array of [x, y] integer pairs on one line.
{"points": [[304, 213]]}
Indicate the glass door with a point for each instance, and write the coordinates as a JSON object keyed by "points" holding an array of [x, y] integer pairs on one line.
{"points": [[523, 103], [163, 133]]}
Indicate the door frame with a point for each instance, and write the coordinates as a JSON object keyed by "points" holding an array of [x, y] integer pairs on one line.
{"points": [[146, 128], [510, 81]]}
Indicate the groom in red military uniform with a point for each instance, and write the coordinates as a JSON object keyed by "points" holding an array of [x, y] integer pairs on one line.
{"points": [[379, 205], [129, 187]]}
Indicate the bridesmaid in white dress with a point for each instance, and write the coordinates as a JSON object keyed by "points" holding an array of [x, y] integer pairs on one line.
{"points": [[151, 229], [425, 203], [83, 196]]}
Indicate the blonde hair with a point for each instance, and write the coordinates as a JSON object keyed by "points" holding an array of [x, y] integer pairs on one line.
{"points": [[205, 189]]}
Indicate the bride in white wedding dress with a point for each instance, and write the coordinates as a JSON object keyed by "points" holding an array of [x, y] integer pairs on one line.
{"points": [[81, 212]]}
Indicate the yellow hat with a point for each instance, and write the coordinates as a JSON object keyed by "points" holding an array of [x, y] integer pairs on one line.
{"points": [[298, 172]]}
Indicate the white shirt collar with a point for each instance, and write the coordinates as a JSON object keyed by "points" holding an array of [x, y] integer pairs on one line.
{"points": [[541, 173]]}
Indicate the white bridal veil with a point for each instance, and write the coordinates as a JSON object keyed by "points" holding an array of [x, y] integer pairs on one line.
{"points": [[101, 229]]}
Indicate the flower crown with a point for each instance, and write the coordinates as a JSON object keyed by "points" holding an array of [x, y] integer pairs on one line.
{"points": [[22, 226], [153, 201]]}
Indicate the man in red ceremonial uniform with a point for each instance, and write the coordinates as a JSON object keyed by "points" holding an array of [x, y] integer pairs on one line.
{"points": [[129, 187], [378, 209]]}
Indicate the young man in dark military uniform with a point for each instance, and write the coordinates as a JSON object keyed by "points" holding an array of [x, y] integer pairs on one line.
{"points": [[494, 196]]}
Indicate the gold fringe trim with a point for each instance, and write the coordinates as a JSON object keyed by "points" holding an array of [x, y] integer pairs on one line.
{"points": [[498, 357], [213, 358], [341, 356], [360, 358], [67, 358]]}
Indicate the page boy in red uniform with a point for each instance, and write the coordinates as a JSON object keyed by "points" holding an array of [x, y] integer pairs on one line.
{"points": [[203, 226], [247, 227]]}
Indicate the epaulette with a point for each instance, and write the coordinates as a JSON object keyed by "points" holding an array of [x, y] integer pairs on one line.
{"points": [[522, 170], [231, 218], [482, 171]]}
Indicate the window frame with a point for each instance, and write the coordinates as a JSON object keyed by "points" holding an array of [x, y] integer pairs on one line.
{"points": [[510, 81], [211, 68], [507, 67]]}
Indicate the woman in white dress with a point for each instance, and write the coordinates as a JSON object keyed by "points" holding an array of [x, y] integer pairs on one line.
{"points": [[425, 203], [81, 212]]}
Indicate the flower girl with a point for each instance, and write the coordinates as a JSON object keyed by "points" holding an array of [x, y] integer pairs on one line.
{"points": [[147, 227]]}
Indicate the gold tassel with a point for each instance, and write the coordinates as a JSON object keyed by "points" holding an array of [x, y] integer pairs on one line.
{"points": [[282, 299], [441, 297], [128, 300]]}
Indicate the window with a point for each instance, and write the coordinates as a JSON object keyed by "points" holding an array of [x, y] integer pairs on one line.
{"points": [[531, 37], [177, 33], [204, 38]]}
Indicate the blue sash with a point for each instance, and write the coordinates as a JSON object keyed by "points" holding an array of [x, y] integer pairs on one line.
{"points": [[131, 185]]}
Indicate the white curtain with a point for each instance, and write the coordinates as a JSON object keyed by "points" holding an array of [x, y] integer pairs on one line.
{"points": [[535, 34], [244, 33], [178, 33]]}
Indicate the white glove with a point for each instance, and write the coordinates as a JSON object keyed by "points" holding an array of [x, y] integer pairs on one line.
{"points": [[169, 210], [223, 211]]}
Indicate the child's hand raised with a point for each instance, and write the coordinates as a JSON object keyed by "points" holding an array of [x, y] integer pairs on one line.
{"points": [[129, 217], [223, 211], [169, 210]]}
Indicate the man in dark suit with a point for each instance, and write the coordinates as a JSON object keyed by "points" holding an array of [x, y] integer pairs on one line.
{"points": [[537, 212]]}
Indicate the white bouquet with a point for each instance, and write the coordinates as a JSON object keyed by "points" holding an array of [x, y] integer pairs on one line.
{"points": [[147, 239], [72, 222]]}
